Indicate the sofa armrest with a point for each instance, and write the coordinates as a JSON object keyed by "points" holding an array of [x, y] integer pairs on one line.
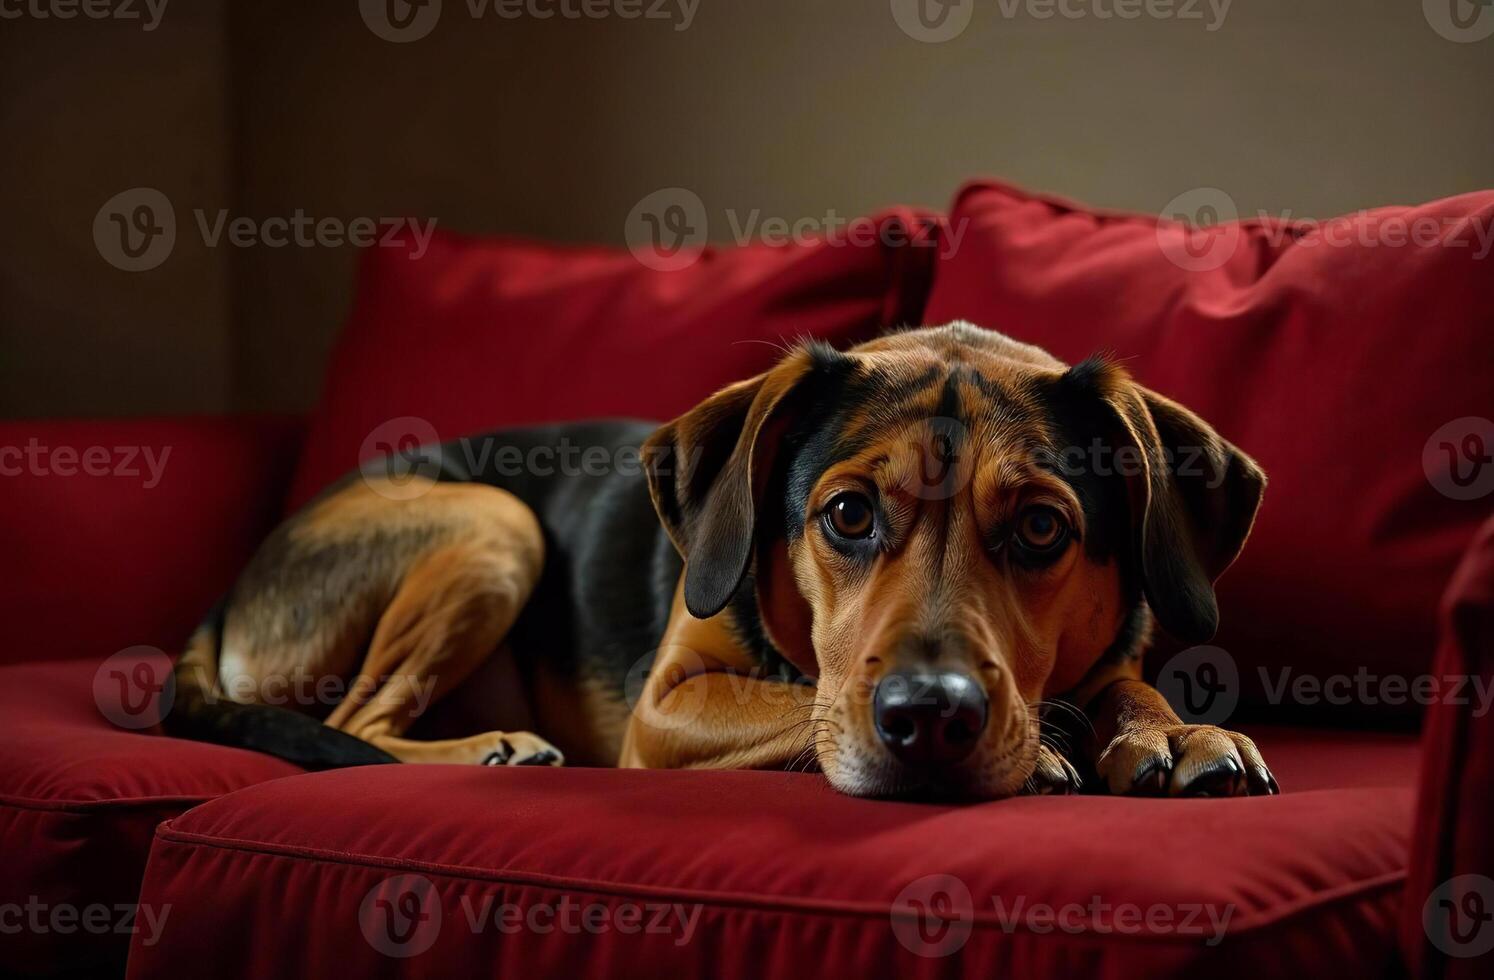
{"points": [[1449, 888], [124, 532]]}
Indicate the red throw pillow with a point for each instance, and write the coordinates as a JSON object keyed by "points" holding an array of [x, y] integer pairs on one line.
{"points": [[1353, 358], [470, 334]]}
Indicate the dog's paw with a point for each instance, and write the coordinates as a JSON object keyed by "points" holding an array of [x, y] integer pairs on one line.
{"points": [[523, 749], [1184, 760], [1052, 776]]}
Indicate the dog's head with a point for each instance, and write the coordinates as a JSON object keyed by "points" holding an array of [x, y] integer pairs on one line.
{"points": [[942, 527]]}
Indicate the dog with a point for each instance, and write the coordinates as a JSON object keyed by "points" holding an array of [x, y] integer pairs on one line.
{"points": [[927, 565]]}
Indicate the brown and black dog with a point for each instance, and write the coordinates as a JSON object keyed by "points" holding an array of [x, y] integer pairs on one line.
{"points": [[908, 563]]}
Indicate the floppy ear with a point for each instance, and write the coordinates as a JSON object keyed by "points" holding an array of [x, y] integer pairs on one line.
{"points": [[1193, 498], [706, 474]]}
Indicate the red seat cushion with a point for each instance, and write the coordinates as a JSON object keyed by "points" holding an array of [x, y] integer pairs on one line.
{"points": [[79, 800], [725, 874], [473, 333], [1345, 357]]}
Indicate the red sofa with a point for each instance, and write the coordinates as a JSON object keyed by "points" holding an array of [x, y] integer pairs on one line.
{"points": [[1340, 359]]}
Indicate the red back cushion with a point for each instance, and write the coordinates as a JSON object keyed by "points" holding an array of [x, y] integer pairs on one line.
{"points": [[1344, 357], [479, 333]]}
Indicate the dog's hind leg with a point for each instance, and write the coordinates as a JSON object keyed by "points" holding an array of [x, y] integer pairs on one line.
{"points": [[450, 612]]}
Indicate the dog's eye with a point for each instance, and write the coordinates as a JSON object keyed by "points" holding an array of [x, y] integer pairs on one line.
{"points": [[1041, 530], [850, 515]]}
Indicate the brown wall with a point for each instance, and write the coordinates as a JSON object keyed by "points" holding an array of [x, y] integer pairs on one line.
{"points": [[556, 128], [88, 109]]}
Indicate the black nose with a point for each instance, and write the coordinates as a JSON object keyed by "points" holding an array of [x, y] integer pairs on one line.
{"points": [[929, 716]]}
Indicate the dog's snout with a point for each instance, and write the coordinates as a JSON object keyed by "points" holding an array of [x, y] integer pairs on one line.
{"points": [[925, 716]]}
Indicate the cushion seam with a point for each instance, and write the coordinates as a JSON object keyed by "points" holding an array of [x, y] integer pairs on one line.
{"points": [[1264, 919], [93, 806]]}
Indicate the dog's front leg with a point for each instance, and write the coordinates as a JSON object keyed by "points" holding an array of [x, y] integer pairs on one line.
{"points": [[720, 720], [1141, 747], [704, 705]]}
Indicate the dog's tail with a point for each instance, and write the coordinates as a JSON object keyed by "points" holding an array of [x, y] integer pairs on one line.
{"points": [[200, 711]]}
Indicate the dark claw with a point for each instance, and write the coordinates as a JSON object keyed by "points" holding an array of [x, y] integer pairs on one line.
{"points": [[1224, 779], [1262, 783], [501, 757], [1151, 780], [1068, 786], [544, 757]]}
